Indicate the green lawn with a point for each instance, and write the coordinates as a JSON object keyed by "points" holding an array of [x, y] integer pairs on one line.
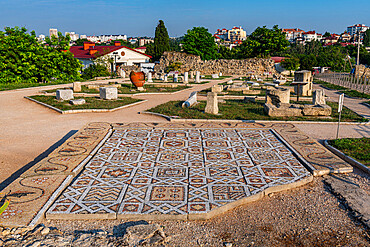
{"points": [[12, 86], [236, 93], [238, 110], [91, 102], [357, 148], [131, 89], [209, 77], [346, 91]]}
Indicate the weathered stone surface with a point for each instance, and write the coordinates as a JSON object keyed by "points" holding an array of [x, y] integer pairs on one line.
{"points": [[316, 110], [217, 88], [197, 77], [253, 92], [215, 76], [76, 86], [190, 101], [77, 101], [150, 78], [145, 235], [277, 96], [108, 93], [186, 77], [318, 97], [64, 94], [223, 66], [212, 103], [165, 78], [250, 99], [285, 111]]}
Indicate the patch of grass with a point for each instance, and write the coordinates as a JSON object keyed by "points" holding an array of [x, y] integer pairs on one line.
{"points": [[12, 86], [346, 91], [91, 102], [209, 77], [238, 110], [236, 93], [357, 148], [131, 89]]}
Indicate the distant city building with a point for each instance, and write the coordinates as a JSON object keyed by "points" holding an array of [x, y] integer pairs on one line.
{"points": [[345, 36], [41, 37], [292, 34], [221, 34], [311, 36], [236, 34], [143, 42], [353, 30], [73, 35], [83, 36], [53, 31]]}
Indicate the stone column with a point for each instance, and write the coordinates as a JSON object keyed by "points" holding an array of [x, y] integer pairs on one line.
{"points": [[175, 77], [212, 103], [123, 73], [76, 86], [186, 77], [318, 97], [165, 78], [197, 77], [150, 79]]}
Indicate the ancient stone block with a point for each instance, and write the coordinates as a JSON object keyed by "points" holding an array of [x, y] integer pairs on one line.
{"points": [[212, 103], [150, 78], [316, 110], [217, 88], [76, 86], [64, 94], [77, 101], [277, 96], [186, 77], [215, 76], [197, 77], [318, 97], [287, 111], [108, 93]]}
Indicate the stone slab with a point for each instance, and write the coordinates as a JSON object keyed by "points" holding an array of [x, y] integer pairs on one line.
{"points": [[64, 94], [108, 93], [77, 102]]}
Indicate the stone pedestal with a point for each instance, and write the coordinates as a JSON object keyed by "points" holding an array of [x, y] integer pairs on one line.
{"points": [[186, 77], [277, 96], [76, 86], [217, 88], [64, 94], [150, 79], [318, 97], [108, 93], [197, 77], [212, 103]]}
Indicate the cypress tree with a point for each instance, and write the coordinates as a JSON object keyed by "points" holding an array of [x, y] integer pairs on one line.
{"points": [[161, 41]]}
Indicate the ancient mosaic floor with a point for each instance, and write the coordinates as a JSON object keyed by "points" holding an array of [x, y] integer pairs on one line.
{"points": [[174, 173]]}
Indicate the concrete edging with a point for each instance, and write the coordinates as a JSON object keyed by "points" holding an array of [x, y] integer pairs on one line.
{"points": [[183, 120], [84, 110], [347, 158]]}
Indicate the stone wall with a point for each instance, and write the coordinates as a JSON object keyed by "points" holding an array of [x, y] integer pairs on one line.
{"points": [[225, 66]]}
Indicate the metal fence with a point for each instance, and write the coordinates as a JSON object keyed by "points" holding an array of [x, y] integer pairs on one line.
{"points": [[358, 83]]}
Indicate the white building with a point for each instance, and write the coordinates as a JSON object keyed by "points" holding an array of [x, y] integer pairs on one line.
{"points": [[53, 31], [311, 35], [73, 35], [291, 34], [353, 30], [121, 55]]}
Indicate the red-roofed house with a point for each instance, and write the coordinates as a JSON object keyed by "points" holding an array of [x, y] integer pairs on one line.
{"points": [[292, 34], [311, 35], [122, 55]]}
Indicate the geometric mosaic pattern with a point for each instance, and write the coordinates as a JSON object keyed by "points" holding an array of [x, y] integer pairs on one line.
{"points": [[177, 171]]}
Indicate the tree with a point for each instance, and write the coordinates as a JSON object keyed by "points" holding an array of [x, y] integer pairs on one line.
{"points": [[199, 41], [161, 41], [264, 42], [24, 59], [291, 63], [326, 34], [80, 42], [366, 41]]}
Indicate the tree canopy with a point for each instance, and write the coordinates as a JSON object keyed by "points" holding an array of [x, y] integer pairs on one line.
{"points": [[264, 42], [24, 59], [161, 42], [199, 41], [366, 41]]}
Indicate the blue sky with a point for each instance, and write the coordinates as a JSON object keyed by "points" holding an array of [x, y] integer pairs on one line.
{"points": [[140, 17]]}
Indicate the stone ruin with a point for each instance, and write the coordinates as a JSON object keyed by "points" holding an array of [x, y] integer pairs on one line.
{"points": [[212, 103], [108, 93], [277, 104], [64, 94], [192, 100], [304, 83]]}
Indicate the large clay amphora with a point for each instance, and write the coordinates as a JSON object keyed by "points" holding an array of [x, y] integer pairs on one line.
{"points": [[137, 78]]}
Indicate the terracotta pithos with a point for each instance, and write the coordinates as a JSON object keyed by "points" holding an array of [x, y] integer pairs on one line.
{"points": [[137, 78]]}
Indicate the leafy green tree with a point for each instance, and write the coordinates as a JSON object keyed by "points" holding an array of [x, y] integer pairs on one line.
{"points": [[326, 34], [95, 70], [24, 59], [59, 42], [161, 41], [264, 42], [307, 62], [175, 43], [80, 42], [290, 63], [199, 41], [366, 41]]}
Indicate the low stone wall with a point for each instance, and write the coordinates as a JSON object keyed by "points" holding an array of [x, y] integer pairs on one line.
{"points": [[225, 66]]}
